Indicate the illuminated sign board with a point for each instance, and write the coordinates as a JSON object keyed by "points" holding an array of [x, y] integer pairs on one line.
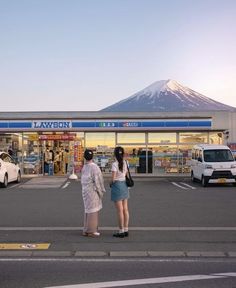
{"points": [[65, 125], [51, 124]]}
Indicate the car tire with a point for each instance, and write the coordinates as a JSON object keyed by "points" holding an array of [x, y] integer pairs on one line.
{"points": [[193, 179], [5, 181], [204, 181], [18, 179]]}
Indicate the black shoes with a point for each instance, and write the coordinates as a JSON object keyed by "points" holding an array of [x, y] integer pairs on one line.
{"points": [[121, 235]]}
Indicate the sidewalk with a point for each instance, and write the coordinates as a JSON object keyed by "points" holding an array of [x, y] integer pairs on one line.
{"points": [[70, 243]]}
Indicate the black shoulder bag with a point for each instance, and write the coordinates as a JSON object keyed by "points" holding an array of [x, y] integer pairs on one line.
{"points": [[128, 179]]}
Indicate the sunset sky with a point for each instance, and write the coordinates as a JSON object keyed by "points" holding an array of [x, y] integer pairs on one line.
{"points": [[84, 55]]}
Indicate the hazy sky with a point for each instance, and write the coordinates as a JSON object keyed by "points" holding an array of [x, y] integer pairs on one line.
{"points": [[84, 55]]}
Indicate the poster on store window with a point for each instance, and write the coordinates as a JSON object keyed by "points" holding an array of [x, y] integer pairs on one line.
{"points": [[78, 156]]}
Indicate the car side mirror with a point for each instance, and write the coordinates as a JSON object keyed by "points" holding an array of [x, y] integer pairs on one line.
{"points": [[199, 159]]}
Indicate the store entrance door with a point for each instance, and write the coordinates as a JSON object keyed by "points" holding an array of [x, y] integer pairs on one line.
{"points": [[56, 157], [56, 154]]}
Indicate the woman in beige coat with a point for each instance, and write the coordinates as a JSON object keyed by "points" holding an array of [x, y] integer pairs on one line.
{"points": [[92, 192]]}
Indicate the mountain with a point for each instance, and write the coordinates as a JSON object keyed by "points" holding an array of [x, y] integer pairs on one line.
{"points": [[167, 96]]}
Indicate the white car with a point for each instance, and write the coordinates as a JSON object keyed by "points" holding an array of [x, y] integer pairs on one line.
{"points": [[9, 170], [213, 164]]}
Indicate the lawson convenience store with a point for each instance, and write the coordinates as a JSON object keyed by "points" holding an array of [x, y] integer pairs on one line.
{"points": [[155, 144]]}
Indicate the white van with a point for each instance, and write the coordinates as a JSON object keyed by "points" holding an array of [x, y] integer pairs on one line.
{"points": [[213, 164]]}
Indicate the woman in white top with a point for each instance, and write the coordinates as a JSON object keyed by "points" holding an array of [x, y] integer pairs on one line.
{"points": [[92, 193], [120, 192]]}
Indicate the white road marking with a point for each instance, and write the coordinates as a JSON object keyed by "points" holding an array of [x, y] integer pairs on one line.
{"points": [[184, 188], [44, 182], [114, 228], [14, 186], [229, 274], [65, 185], [160, 280], [189, 186]]}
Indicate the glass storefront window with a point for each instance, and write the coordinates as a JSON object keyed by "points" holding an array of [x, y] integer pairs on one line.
{"points": [[131, 138], [165, 159], [162, 138], [12, 143], [136, 156], [32, 158], [216, 138], [193, 137], [185, 156], [103, 145]]}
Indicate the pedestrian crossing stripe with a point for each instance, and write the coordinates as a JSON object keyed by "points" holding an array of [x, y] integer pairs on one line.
{"points": [[24, 246]]}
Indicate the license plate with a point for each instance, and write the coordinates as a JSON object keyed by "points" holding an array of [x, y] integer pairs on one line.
{"points": [[221, 180]]}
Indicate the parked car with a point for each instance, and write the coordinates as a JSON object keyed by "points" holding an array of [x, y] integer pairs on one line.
{"points": [[9, 170], [213, 164]]}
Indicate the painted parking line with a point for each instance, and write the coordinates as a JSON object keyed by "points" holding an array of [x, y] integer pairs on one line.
{"points": [[179, 186], [65, 185], [160, 280], [183, 185], [15, 185], [187, 185]]}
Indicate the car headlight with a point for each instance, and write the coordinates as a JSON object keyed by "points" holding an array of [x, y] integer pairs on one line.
{"points": [[233, 166]]}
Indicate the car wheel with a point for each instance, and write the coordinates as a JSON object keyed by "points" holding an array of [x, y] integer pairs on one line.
{"points": [[193, 179], [5, 181], [204, 181], [18, 177]]}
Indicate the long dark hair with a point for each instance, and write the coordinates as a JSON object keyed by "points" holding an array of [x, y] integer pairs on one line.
{"points": [[119, 154]]}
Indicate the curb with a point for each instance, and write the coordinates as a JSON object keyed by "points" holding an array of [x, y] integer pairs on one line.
{"points": [[115, 254]]}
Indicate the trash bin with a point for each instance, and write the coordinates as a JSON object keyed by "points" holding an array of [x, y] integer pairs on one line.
{"points": [[50, 169]]}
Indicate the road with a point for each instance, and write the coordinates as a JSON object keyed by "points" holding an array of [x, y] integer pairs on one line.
{"points": [[98, 273], [177, 228]]}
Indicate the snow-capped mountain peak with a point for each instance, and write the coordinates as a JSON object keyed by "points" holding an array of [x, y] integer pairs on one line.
{"points": [[167, 95]]}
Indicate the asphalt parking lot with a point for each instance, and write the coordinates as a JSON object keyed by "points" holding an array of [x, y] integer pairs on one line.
{"points": [[166, 215]]}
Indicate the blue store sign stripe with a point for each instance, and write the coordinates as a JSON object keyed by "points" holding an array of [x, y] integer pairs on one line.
{"points": [[62, 124]]}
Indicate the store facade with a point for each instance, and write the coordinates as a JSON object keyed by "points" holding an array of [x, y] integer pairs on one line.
{"points": [[155, 144]]}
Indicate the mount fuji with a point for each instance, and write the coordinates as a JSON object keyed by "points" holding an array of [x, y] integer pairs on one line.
{"points": [[167, 96]]}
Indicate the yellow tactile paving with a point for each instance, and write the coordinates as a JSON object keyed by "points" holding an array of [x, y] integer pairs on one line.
{"points": [[24, 246]]}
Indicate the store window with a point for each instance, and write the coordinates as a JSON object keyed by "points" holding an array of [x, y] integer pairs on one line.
{"points": [[103, 145], [193, 137], [12, 143], [216, 138], [185, 155], [131, 138], [32, 159], [136, 157], [165, 159], [162, 138]]}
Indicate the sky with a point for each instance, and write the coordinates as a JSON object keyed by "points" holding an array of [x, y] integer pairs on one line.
{"points": [[84, 55]]}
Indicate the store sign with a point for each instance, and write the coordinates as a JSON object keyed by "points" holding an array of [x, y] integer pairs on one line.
{"points": [[51, 124], [130, 124], [69, 137], [107, 124]]}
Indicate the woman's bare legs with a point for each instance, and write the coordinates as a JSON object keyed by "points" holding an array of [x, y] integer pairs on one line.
{"points": [[122, 214]]}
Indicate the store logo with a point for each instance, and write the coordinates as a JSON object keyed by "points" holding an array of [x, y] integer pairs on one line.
{"points": [[130, 124], [107, 124], [52, 124]]}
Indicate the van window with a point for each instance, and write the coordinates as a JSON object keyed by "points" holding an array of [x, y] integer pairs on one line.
{"points": [[193, 154], [200, 156], [219, 155]]}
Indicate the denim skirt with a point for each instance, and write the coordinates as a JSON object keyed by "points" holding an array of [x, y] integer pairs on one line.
{"points": [[119, 191]]}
